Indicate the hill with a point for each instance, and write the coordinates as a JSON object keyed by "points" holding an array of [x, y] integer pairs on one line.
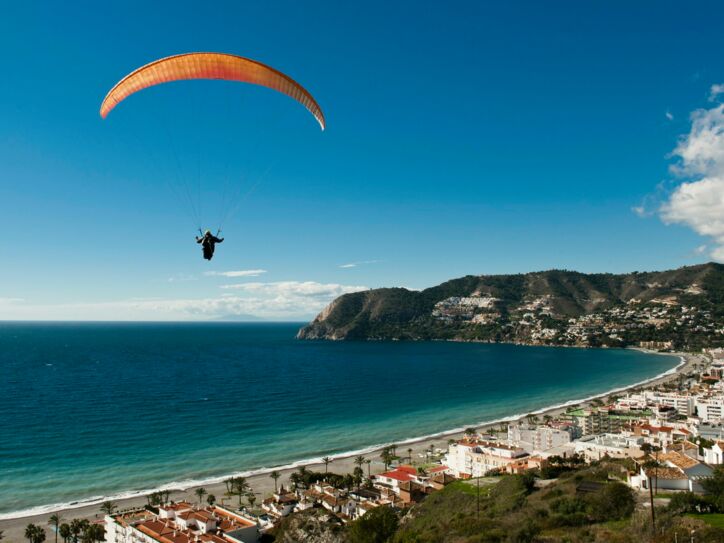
{"points": [[683, 307]]}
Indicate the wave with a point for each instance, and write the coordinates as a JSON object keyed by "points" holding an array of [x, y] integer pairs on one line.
{"points": [[187, 484]]}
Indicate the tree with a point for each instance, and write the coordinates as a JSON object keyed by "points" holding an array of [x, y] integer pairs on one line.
{"points": [[368, 462], [34, 534], [54, 520], [326, 461], [76, 528], [615, 501], [470, 432], [714, 486], [386, 457], [200, 493], [275, 475], [358, 475], [94, 533], [409, 455], [230, 484], [64, 532], [251, 498], [359, 461], [211, 499], [108, 507], [377, 526], [240, 487]]}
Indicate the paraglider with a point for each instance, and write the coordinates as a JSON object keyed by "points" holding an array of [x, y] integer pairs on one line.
{"points": [[219, 66], [208, 243], [209, 66]]}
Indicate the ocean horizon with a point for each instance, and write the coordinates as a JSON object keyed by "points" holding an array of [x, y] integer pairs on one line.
{"points": [[96, 409]]}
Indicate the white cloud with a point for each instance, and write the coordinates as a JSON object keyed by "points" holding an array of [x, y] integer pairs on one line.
{"points": [[641, 211], [715, 91], [356, 264], [181, 278], [700, 250], [238, 273], [309, 289], [283, 300], [669, 115], [698, 202]]}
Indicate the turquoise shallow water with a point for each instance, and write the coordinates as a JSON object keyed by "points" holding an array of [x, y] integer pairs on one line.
{"points": [[90, 410]]}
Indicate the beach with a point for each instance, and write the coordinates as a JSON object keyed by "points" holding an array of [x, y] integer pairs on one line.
{"points": [[262, 485]]}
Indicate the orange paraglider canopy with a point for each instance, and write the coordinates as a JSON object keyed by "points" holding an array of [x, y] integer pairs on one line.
{"points": [[209, 66]]}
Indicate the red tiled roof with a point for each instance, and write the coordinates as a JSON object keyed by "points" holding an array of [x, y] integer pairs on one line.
{"points": [[397, 475]]}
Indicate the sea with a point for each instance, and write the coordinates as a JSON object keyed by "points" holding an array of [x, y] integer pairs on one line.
{"points": [[108, 410]]}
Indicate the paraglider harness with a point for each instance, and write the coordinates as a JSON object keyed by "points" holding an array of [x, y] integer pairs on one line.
{"points": [[208, 243]]}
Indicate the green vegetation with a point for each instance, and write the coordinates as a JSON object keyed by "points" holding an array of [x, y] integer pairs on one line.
{"points": [[586, 503], [715, 520], [401, 314]]}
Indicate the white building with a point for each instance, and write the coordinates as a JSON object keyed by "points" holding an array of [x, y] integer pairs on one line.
{"points": [[474, 458], [596, 447], [715, 454], [181, 523], [540, 438], [710, 409]]}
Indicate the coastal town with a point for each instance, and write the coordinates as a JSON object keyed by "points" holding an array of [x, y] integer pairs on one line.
{"points": [[672, 321], [668, 438]]}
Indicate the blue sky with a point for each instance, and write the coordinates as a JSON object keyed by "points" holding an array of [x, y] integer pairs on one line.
{"points": [[463, 138]]}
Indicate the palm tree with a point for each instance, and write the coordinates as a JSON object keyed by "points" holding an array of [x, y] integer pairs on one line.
{"points": [[409, 455], [211, 499], [1, 535], [76, 527], [64, 531], [34, 534], [240, 487], [275, 475], [358, 474], [302, 473], [368, 462], [251, 498], [359, 460], [229, 484], [108, 507], [93, 533], [54, 520], [326, 461], [386, 457], [200, 493]]}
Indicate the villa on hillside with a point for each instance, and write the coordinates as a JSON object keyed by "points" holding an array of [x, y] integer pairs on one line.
{"points": [[181, 523], [474, 458]]}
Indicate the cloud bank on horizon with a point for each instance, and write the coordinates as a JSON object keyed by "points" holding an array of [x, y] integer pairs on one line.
{"points": [[698, 202], [275, 301]]}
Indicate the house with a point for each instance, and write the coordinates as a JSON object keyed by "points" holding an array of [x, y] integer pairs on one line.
{"points": [[281, 503], [441, 480], [411, 492], [475, 458], [676, 472], [596, 447], [392, 479], [181, 523], [714, 455]]}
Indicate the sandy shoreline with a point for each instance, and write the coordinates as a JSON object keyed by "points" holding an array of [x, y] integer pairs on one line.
{"points": [[263, 485]]}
